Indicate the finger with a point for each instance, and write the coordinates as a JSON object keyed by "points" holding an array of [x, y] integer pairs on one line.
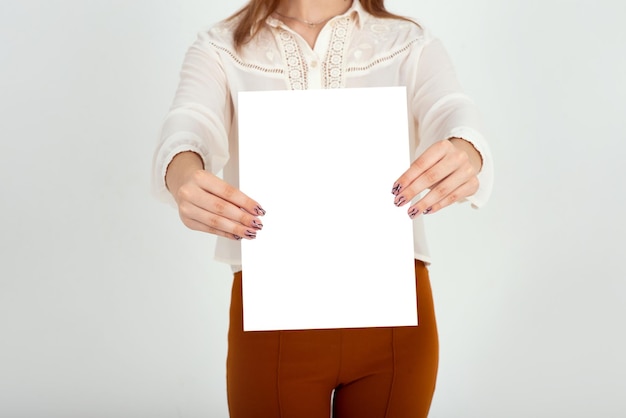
{"points": [[198, 226], [218, 206], [220, 188], [444, 194], [423, 163], [450, 166], [192, 215]]}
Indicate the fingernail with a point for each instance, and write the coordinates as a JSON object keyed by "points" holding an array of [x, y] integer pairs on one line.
{"points": [[250, 234], [237, 237], [396, 189], [400, 201], [259, 210], [413, 213], [256, 224], [427, 211]]}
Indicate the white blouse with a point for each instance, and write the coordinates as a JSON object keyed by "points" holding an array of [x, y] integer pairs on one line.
{"points": [[353, 50]]}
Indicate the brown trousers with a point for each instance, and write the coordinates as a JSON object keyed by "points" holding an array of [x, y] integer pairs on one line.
{"points": [[346, 373]]}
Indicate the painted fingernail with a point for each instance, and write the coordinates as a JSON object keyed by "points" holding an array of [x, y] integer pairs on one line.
{"points": [[396, 189], [400, 201], [413, 212], [259, 210], [256, 224], [250, 234], [427, 211], [237, 237]]}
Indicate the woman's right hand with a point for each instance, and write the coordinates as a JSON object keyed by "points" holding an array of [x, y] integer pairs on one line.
{"points": [[209, 204]]}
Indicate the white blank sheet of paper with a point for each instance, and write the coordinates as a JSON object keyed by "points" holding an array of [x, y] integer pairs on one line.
{"points": [[335, 252]]}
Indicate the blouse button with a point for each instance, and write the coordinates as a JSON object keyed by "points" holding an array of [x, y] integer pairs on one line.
{"points": [[314, 64]]}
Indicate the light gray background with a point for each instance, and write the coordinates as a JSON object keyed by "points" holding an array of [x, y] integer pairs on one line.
{"points": [[109, 307]]}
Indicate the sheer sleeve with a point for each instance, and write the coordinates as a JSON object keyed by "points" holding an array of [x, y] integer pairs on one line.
{"points": [[199, 117], [442, 111]]}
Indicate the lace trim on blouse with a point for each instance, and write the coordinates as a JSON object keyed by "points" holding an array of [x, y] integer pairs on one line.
{"points": [[333, 66], [383, 59], [296, 73], [241, 63]]}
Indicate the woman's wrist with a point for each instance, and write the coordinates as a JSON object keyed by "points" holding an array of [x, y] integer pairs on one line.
{"points": [[475, 159], [182, 166]]}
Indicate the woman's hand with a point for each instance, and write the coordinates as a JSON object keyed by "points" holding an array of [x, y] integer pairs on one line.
{"points": [[447, 168], [207, 203]]}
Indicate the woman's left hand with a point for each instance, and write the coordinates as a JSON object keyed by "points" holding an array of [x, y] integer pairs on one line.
{"points": [[448, 168]]}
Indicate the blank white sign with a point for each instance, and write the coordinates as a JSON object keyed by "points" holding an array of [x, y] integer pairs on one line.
{"points": [[334, 251]]}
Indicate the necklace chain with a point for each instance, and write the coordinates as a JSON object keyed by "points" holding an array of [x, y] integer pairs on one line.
{"points": [[306, 22]]}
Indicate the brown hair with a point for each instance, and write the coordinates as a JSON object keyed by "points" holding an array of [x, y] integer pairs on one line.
{"points": [[258, 10]]}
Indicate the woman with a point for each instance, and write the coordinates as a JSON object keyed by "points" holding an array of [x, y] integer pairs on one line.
{"points": [[305, 44]]}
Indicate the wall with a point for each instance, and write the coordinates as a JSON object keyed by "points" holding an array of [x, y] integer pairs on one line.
{"points": [[110, 308]]}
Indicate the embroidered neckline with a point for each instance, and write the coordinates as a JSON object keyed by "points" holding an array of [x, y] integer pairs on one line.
{"points": [[333, 67]]}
